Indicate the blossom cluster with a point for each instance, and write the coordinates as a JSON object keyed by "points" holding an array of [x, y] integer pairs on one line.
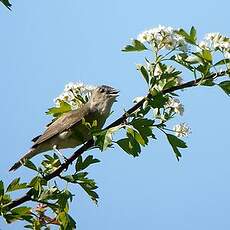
{"points": [[75, 94], [163, 37], [216, 41], [182, 130], [175, 105]]}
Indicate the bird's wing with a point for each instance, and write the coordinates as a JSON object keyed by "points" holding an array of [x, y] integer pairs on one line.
{"points": [[63, 123]]}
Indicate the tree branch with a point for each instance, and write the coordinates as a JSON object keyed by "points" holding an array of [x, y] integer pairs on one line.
{"points": [[90, 143]]}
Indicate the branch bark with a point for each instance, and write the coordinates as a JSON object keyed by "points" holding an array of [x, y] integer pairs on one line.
{"points": [[90, 143]]}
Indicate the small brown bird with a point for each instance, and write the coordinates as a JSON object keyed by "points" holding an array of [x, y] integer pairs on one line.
{"points": [[68, 131]]}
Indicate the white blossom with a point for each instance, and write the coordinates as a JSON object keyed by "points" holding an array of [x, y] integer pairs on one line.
{"points": [[178, 58], [203, 45], [182, 130], [216, 41], [163, 37], [157, 71], [70, 93], [227, 55], [179, 80], [176, 105], [170, 69]]}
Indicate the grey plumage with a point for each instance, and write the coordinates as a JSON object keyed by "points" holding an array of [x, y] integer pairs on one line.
{"points": [[68, 131]]}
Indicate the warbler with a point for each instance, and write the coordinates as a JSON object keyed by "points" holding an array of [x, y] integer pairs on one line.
{"points": [[69, 130]]}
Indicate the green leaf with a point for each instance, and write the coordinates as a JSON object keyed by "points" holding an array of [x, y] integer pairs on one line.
{"points": [[89, 190], [124, 144], [223, 62], [11, 218], [37, 184], [51, 193], [81, 165], [21, 210], [204, 69], [51, 164], [63, 219], [87, 184], [80, 177], [58, 111], [104, 140], [173, 81], [31, 165], [176, 143], [5, 199], [158, 101], [15, 185], [136, 135], [207, 82], [193, 34], [225, 85], [130, 145], [19, 213], [69, 179], [136, 46], [206, 54], [144, 127], [72, 223], [144, 73], [183, 33], [190, 38], [48, 157], [66, 221], [63, 198], [6, 3], [1, 188]]}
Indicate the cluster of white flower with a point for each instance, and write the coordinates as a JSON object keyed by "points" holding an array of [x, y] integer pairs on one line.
{"points": [[71, 94], [216, 41], [175, 104], [182, 130], [163, 37]]}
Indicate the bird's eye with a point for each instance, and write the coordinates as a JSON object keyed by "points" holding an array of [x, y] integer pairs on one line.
{"points": [[102, 90]]}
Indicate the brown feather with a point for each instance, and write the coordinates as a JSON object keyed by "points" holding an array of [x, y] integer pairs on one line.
{"points": [[27, 156], [63, 123], [35, 138]]}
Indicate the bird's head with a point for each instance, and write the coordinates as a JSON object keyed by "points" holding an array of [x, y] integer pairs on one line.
{"points": [[103, 97], [105, 93]]}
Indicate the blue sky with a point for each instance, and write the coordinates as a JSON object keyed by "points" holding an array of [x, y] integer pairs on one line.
{"points": [[46, 44]]}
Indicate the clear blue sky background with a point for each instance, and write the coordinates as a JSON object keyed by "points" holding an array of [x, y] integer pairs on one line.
{"points": [[46, 44]]}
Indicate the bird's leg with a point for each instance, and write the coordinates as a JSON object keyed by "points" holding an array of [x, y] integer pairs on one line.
{"points": [[58, 152]]}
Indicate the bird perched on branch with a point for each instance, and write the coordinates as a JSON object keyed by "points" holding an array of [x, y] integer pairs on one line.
{"points": [[69, 130]]}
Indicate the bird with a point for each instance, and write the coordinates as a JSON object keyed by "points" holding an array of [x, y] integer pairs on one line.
{"points": [[69, 130]]}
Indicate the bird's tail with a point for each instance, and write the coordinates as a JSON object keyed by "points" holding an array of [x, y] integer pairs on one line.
{"points": [[32, 152]]}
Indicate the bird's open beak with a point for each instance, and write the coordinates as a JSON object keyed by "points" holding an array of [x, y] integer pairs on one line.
{"points": [[114, 92]]}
